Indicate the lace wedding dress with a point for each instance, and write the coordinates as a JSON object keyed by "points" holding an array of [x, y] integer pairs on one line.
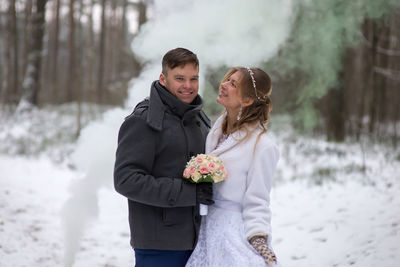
{"points": [[222, 242]]}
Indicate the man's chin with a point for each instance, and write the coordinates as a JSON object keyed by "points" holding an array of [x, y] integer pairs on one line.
{"points": [[186, 100]]}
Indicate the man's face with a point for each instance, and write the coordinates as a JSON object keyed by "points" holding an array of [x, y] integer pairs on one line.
{"points": [[182, 82]]}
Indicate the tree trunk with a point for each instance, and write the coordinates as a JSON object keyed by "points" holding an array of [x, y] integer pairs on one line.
{"points": [[363, 85], [31, 84], [124, 40], [2, 53], [112, 44], [6, 47], [71, 80], [54, 54], [100, 78], [27, 34], [373, 81], [336, 112], [79, 84], [90, 55], [12, 55], [14, 34], [142, 9]]}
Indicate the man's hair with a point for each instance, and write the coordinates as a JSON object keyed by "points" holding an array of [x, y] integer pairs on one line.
{"points": [[178, 57]]}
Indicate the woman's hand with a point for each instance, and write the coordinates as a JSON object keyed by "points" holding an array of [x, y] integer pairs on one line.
{"points": [[260, 244]]}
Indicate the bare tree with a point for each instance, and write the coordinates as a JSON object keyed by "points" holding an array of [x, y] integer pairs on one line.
{"points": [[90, 54], [12, 70], [79, 84], [100, 77], [54, 52], [27, 34], [71, 78], [2, 93], [31, 84], [42, 68]]}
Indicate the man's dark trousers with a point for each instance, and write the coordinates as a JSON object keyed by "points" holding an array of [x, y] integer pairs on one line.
{"points": [[161, 258]]}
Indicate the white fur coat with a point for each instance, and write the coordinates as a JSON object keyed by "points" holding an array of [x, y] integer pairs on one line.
{"points": [[250, 171]]}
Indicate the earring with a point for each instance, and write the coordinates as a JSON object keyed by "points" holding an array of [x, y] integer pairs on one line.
{"points": [[239, 114]]}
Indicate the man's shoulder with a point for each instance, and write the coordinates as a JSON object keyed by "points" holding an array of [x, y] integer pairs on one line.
{"points": [[140, 109]]}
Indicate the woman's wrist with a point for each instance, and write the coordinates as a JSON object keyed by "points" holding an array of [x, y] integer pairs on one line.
{"points": [[257, 235], [260, 244]]}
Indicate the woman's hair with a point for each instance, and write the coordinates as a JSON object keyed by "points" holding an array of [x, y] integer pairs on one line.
{"points": [[255, 84]]}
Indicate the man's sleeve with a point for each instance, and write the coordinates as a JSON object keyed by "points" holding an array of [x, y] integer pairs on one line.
{"points": [[134, 161]]}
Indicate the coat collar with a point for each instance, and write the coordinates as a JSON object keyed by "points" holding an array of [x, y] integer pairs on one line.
{"points": [[161, 103], [232, 140], [155, 115]]}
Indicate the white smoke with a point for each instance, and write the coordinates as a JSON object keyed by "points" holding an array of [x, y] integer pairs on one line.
{"points": [[94, 156], [221, 33]]}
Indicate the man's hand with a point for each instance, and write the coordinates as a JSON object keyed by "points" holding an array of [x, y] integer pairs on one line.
{"points": [[204, 193], [260, 244]]}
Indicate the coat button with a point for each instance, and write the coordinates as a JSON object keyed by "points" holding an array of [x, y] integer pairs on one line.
{"points": [[198, 123]]}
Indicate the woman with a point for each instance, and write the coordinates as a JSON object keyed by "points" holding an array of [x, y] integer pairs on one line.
{"points": [[237, 229]]}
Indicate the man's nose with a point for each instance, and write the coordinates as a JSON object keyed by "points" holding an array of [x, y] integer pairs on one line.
{"points": [[187, 84]]}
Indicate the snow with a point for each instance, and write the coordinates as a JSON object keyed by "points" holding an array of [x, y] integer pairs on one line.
{"points": [[340, 216], [32, 194]]}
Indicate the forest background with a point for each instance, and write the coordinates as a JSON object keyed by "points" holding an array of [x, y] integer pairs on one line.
{"points": [[338, 72]]}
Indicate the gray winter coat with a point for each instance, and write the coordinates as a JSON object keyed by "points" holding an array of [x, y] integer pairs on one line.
{"points": [[154, 144]]}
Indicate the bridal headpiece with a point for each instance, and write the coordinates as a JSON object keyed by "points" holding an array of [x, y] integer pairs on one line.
{"points": [[260, 98]]}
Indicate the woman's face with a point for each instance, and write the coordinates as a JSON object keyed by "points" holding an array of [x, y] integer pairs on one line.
{"points": [[229, 93]]}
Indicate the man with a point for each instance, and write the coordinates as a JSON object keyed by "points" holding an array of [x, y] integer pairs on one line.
{"points": [[154, 144]]}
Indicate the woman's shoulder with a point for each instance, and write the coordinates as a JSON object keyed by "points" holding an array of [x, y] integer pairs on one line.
{"points": [[265, 140]]}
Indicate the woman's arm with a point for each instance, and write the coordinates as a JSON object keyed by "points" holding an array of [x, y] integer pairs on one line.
{"points": [[256, 200]]}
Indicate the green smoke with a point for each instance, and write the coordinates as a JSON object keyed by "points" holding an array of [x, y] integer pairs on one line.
{"points": [[322, 31]]}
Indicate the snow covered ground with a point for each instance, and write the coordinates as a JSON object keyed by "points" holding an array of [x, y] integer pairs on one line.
{"points": [[333, 205]]}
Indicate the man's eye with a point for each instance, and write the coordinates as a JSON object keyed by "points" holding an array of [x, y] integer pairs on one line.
{"points": [[179, 78], [195, 79]]}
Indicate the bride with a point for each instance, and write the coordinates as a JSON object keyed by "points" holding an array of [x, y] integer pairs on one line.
{"points": [[237, 229]]}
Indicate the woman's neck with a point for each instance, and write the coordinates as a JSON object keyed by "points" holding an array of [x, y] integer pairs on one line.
{"points": [[231, 119]]}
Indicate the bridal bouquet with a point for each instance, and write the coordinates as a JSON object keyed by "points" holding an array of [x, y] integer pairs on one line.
{"points": [[205, 168]]}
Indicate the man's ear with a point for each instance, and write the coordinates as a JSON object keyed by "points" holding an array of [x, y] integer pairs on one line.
{"points": [[162, 79]]}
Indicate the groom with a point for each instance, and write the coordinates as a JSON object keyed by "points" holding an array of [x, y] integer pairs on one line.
{"points": [[154, 144]]}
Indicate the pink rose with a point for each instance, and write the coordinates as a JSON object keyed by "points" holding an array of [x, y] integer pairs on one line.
{"points": [[211, 166], [186, 173], [192, 169], [199, 160], [204, 170]]}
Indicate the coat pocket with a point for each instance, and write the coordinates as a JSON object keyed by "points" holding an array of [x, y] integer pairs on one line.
{"points": [[142, 220], [176, 216]]}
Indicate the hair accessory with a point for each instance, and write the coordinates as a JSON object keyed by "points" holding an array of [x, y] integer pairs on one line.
{"points": [[261, 98]]}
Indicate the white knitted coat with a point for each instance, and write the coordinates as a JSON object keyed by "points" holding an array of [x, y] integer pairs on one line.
{"points": [[250, 173]]}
